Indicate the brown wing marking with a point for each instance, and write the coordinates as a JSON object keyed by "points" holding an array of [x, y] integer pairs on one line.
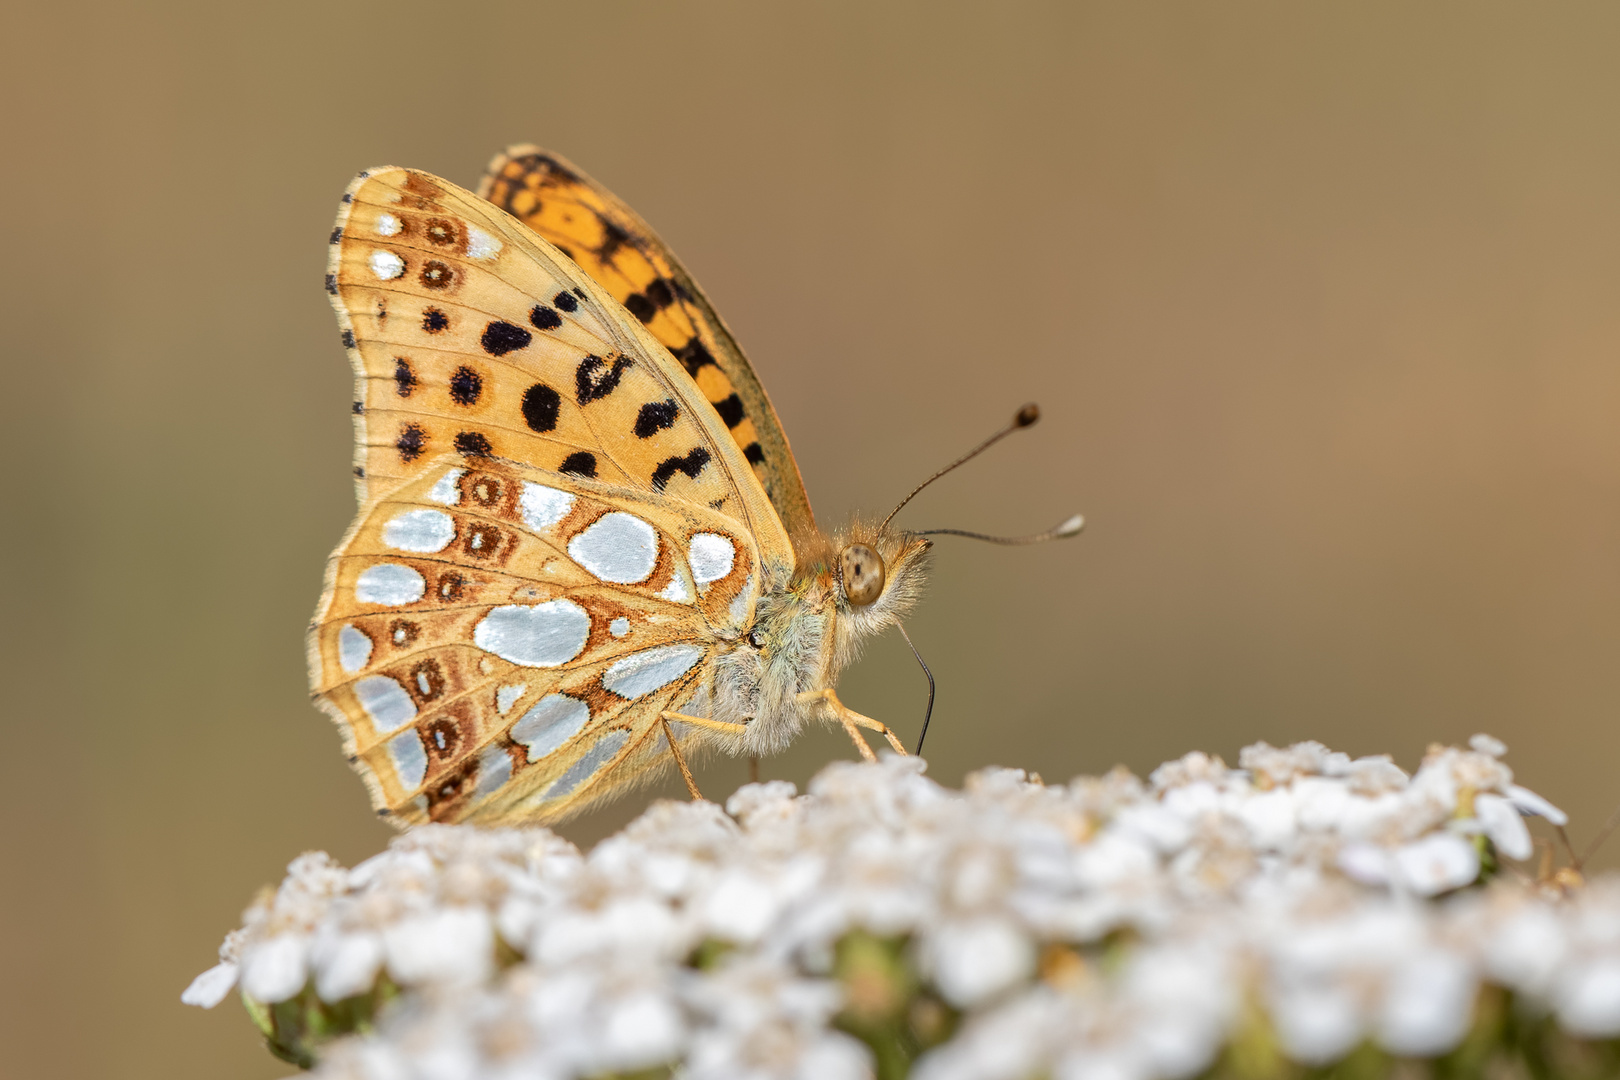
{"points": [[446, 724]]}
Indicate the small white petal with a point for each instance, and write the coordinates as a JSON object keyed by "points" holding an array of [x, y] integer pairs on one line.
{"points": [[740, 907], [1527, 951], [453, 945], [1317, 1024], [1437, 863], [1534, 805], [1367, 863], [1270, 818], [277, 969], [975, 960], [210, 988], [1589, 999], [1503, 825], [1427, 1005], [641, 1031], [349, 967], [1486, 744]]}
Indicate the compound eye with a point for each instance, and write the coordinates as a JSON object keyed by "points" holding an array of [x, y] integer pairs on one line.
{"points": [[862, 574]]}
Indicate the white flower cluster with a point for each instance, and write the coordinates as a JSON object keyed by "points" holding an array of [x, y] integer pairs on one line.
{"points": [[1106, 928]]}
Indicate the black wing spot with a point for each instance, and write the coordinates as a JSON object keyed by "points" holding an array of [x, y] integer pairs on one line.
{"points": [[472, 444], [337, 234], [348, 339], [754, 453], [465, 386], [579, 292], [331, 284], [641, 307], [359, 472], [566, 302], [359, 407], [691, 463], [582, 463], [540, 407], [613, 238], [544, 318], [411, 442], [660, 293], [404, 377], [730, 410], [693, 356], [348, 196], [595, 380], [654, 417], [434, 320], [503, 337]]}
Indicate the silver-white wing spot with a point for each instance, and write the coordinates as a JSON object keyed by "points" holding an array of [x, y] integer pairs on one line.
{"points": [[481, 245], [505, 696], [389, 706], [586, 767], [543, 507], [354, 648], [494, 769], [387, 224], [678, 591], [422, 531], [386, 265], [617, 547], [446, 490], [410, 762], [389, 584], [712, 557], [739, 603], [643, 672], [545, 635], [619, 627], [552, 721]]}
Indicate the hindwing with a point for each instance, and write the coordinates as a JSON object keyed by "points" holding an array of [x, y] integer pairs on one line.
{"points": [[497, 641]]}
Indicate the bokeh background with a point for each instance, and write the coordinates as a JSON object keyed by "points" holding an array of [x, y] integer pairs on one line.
{"points": [[1319, 302]]}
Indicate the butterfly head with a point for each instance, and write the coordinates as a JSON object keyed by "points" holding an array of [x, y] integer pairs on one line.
{"points": [[879, 576], [879, 568]]}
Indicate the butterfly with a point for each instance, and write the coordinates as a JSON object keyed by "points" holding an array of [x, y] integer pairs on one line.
{"points": [[583, 551]]}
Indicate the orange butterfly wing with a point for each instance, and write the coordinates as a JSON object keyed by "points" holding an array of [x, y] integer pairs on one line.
{"points": [[557, 531], [622, 253]]}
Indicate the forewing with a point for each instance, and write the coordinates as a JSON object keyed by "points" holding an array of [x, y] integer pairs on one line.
{"points": [[497, 641], [622, 253], [470, 335]]}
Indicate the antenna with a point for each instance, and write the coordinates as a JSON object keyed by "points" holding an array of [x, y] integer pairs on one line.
{"points": [[1070, 527], [1023, 419]]}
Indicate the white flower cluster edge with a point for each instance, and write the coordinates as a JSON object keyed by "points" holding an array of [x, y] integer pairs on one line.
{"points": [[1330, 891]]}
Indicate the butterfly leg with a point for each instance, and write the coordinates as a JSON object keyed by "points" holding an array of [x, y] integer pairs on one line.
{"points": [[686, 773], [701, 721], [852, 720], [705, 722]]}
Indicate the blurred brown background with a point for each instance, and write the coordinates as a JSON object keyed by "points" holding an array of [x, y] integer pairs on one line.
{"points": [[1320, 304]]}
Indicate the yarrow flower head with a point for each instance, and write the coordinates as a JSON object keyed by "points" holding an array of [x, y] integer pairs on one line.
{"points": [[1300, 909]]}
